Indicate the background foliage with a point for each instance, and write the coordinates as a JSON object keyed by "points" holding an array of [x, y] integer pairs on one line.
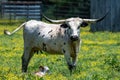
{"points": [[67, 8]]}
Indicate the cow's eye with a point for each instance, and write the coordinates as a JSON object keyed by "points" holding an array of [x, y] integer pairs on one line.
{"points": [[84, 24], [64, 25]]}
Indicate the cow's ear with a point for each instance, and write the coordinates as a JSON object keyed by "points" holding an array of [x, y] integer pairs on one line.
{"points": [[64, 25], [84, 24]]}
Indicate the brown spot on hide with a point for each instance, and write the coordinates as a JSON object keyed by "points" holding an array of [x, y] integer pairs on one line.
{"points": [[60, 29], [64, 51], [65, 32], [44, 47], [50, 31], [51, 36], [39, 33], [43, 35]]}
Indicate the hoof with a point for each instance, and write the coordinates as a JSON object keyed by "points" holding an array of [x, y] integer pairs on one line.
{"points": [[71, 67]]}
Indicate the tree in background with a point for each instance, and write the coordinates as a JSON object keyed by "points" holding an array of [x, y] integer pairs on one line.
{"points": [[67, 8]]}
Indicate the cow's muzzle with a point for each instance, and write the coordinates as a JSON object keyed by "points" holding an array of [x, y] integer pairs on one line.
{"points": [[74, 38]]}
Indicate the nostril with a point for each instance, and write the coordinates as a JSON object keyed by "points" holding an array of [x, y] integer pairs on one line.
{"points": [[74, 38]]}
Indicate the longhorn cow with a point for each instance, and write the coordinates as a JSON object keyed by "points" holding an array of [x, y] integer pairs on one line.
{"points": [[62, 37]]}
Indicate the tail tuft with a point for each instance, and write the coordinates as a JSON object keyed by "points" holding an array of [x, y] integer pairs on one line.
{"points": [[7, 32]]}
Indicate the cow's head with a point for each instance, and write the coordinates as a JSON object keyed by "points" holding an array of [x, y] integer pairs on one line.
{"points": [[73, 25]]}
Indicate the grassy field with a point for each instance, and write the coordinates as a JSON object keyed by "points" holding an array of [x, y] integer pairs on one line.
{"points": [[99, 58]]}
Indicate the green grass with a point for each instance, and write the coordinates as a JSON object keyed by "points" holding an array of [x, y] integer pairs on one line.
{"points": [[99, 58]]}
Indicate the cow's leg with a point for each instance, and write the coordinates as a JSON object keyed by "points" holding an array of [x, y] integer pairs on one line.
{"points": [[76, 49], [74, 59], [26, 58], [68, 59]]}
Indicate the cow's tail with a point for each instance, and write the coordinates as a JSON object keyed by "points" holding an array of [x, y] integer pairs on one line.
{"points": [[10, 33]]}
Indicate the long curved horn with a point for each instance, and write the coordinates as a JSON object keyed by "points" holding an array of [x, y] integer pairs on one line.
{"points": [[53, 21], [95, 20]]}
